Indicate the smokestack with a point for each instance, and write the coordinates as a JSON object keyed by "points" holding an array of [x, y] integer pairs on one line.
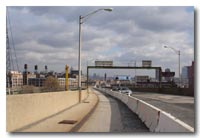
{"points": [[25, 74], [36, 68], [37, 74], [25, 67], [45, 68]]}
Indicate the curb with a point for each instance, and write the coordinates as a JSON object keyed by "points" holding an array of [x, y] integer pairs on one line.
{"points": [[85, 118]]}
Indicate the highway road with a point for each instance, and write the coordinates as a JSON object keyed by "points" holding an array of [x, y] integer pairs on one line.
{"points": [[111, 115], [182, 107]]}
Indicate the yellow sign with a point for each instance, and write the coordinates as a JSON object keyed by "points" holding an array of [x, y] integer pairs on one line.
{"points": [[66, 78]]}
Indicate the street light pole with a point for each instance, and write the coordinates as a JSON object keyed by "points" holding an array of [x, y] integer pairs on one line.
{"points": [[178, 52], [80, 39], [179, 66], [79, 59]]}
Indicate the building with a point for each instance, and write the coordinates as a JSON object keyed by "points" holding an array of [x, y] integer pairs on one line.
{"points": [[191, 76], [83, 80], [61, 82], [141, 78], [185, 77], [73, 83], [38, 79], [185, 72], [73, 73], [168, 75], [27, 76], [16, 79], [38, 82]]}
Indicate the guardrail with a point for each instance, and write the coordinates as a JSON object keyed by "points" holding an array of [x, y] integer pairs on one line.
{"points": [[154, 118]]}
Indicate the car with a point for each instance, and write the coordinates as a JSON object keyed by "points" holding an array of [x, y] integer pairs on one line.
{"points": [[115, 88], [125, 90]]}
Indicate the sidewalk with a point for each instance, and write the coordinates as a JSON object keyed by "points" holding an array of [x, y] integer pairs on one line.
{"points": [[111, 115], [75, 116]]}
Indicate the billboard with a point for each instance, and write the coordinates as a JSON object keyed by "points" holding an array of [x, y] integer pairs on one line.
{"points": [[146, 63], [104, 63]]}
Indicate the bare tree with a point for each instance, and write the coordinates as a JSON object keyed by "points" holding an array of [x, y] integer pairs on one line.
{"points": [[51, 84]]}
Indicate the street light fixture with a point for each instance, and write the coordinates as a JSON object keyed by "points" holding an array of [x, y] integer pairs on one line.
{"points": [[81, 21], [178, 52]]}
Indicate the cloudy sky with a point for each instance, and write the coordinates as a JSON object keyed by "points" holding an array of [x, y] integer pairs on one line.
{"points": [[49, 36]]}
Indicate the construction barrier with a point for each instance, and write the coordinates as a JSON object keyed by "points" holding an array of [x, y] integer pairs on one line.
{"points": [[154, 118]]}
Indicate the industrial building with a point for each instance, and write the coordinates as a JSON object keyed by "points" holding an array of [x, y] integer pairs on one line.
{"points": [[191, 76], [16, 79], [38, 79]]}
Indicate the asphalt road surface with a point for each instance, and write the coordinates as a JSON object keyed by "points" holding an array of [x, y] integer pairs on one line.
{"points": [[182, 107], [111, 115]]}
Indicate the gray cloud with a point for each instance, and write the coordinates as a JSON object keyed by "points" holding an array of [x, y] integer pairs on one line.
{"points": [[49, 35]]}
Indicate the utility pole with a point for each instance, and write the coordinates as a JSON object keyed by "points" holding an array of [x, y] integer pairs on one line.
{"points": [[8, 62]]}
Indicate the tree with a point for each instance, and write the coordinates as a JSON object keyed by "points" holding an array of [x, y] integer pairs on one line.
{"points": [[51, 84]]}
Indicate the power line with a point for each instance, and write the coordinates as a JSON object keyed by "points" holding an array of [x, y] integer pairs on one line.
{"points": [[13, 44], [10, 62]]}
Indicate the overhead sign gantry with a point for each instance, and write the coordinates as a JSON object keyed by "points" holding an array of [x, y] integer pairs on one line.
{"points": [[125, 67]]}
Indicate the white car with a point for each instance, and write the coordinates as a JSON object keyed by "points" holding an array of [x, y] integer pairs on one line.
{"points": [[125, 90]]}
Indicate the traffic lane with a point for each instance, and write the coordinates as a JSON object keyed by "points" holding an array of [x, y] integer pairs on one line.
{"points": [[166, 97], [111, 115], [182, 107]]}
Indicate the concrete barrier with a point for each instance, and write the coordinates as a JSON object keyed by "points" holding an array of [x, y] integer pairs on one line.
{"points": [[108, 92], [118, 95], [124, 98], [168, 123], [111, 93], [148, 114], [154, 118], [159, 121], [132, 104], [114, 93], [25, 109]]}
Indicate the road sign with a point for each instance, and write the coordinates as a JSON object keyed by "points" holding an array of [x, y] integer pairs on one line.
{"points": [[104, 63], [146, 63]]}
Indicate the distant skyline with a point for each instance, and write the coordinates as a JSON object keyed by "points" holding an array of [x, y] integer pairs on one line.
{"points": [[49, 36]]}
